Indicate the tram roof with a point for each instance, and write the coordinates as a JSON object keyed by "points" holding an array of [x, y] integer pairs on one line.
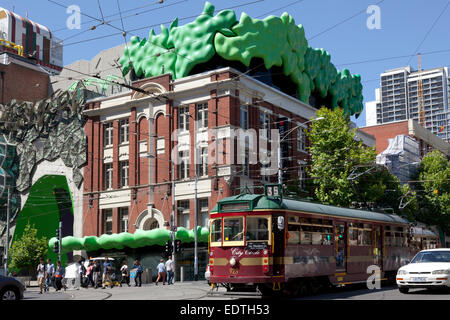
{"points": [[262, 202]]}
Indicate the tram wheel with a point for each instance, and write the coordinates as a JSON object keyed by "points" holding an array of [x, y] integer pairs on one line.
{"points": [[303, 288]]}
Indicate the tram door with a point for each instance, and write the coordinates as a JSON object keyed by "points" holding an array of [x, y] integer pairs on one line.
{"points": [[278, 247], [377, 246], [340, 246]]}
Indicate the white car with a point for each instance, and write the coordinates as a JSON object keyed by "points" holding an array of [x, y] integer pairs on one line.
{"points": [[207, 273], [428, 269]]}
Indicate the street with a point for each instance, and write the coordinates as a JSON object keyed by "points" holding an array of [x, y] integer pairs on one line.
{"points": [[201, 291]]}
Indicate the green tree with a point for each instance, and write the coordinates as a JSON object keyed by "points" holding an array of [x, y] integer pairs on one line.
{"points": [[26, 251], [433, 188], [335, 156]]}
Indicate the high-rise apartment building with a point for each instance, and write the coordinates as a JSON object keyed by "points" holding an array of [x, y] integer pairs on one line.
{"points": [[397, 99]]}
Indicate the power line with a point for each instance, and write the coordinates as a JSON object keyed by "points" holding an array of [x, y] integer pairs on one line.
{"points": [[341, 22], [428, 32]]}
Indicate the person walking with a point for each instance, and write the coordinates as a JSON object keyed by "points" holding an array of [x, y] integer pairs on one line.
{"points": [[138, 275], [107, 269], [89, 273], [59, 276], [170, 269], [82, 270], [50, 267], [161, 272], [41, 274], [96, 273], [125, 273]]}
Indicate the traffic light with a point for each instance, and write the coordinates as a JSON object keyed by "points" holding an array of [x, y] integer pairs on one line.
{"points": [[177, 245], [168, 247], [56, 247]]}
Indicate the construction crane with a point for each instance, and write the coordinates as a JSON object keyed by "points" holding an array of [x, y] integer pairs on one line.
{"points": [[421, 107]]}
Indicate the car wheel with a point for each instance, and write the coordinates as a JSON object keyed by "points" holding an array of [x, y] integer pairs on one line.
{"points": [[9, 294], [403, 290]]}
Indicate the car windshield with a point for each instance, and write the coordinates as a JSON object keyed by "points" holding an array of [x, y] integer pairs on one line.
{"points": [[432, 256]]}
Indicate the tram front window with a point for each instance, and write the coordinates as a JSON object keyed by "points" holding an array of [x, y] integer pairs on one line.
{"points": [[216, 230], [257, 229], [233, 229]]}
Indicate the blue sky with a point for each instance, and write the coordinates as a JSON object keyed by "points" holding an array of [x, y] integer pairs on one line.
{"points": [[404, 24]]}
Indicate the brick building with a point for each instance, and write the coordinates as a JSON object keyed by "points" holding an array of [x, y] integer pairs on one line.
{"points": [[21, 79], [127, 181]]}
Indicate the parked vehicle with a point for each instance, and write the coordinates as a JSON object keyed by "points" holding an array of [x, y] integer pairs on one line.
{"points": [[428, 269], [11, 288]]}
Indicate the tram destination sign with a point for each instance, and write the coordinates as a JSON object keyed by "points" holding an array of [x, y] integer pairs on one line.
{"points": [[256, 245]]}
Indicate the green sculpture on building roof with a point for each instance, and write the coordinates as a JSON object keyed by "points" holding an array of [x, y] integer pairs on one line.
{"points": [[278, 41]]}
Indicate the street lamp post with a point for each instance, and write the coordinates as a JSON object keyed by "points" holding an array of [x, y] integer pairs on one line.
{"points": [[7, 233], [281, 139]]}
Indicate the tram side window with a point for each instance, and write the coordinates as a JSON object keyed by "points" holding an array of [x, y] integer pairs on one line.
{"points": [[360, 234], [396, 236], [233, 229], [216, 230], [294, 233], [315, 232], [257, 229]]}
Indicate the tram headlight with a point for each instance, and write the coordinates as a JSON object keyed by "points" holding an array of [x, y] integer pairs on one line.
{"points": [[232, 262]]}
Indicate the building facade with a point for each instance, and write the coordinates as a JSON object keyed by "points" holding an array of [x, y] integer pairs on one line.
{"points": [[134, 137], [397, 99]]}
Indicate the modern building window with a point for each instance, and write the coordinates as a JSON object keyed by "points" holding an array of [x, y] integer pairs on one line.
{"points": [[124, 173], [202, 115], [203, 163], [124, 130], [183, 213], [108, 134], [123, 219], [203, 210], [244, 117], [183, 167], [301, 136], [245, 167], [183, 118], [107, 221], [108, 176]]}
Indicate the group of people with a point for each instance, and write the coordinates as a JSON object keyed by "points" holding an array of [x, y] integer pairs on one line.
{"points": [[166, 270], [50, 276], [92, 273]]}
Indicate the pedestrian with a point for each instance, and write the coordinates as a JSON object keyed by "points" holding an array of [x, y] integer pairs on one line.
{"points": [[107, 269], [138, 275], [82, 272], [59, 276], [96, 274], [50, 267], [170, 269], [125, 273], [41, 274], [89, 273], [161, 272]]}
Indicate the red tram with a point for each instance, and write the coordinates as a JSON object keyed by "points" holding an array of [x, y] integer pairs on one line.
{"points": [[297, 246]]}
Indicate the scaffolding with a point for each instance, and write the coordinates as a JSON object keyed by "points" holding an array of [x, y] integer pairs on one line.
{"points": [[401, 157]]}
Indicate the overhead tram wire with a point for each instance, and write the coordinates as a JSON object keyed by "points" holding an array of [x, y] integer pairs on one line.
{"points": [[157, 24], [125, 11], [428, 32]]}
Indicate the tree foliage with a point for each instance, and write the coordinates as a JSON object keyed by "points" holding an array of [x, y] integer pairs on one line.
{"points": [[335, 155], [433, 189], [26, 251]]}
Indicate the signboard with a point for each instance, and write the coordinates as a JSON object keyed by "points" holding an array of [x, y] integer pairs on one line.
{"points": [[235, 206], [256, 245]]}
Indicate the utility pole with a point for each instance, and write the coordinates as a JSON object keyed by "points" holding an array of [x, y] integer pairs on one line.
{"points": [[196, 204], [59, 240], [7, 232], [172, 217]]}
